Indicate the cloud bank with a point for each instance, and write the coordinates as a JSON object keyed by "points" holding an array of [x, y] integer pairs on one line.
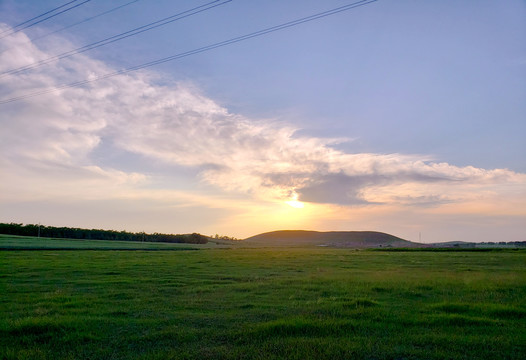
{"points": [[57, 144]]}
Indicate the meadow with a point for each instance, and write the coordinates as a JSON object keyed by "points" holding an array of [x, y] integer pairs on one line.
{"points": [[12, 242], [261, 303]]}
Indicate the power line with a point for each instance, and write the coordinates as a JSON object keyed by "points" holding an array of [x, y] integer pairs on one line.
{"points": [[195, 51], [44, 14], [124, 35], [78, 23], [13, 30]]}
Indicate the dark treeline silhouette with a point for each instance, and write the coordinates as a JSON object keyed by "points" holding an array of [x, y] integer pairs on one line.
{"points": [[97, 234]]}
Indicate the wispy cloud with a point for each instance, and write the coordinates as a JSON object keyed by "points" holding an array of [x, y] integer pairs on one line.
{"points": [[47, 146]]}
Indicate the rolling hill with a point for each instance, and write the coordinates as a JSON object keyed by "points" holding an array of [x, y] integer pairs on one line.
{"points": [[350, 239]]}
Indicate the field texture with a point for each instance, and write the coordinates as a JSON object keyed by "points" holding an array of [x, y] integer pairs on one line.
{"points": [[11, 242], [262, 304]]}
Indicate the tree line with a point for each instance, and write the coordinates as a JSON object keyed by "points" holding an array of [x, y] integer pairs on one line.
{"points": [[97, 234]]}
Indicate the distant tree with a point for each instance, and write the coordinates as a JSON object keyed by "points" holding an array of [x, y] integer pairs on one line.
{"points": [[224, 237]]}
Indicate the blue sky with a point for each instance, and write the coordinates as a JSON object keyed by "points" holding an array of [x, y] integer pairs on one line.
{"points": [[397, 116]]}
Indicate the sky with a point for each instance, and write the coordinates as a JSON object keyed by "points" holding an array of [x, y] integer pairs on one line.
{"points": [[406, 117]]}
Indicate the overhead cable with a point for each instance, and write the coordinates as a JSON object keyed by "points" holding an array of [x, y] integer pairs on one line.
{"points": [[17, 28], [124, 35], [193, 52], [79, 22], [44, 14]]}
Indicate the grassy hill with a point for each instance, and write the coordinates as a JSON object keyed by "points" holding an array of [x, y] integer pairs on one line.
{"points": [[349, 239]]}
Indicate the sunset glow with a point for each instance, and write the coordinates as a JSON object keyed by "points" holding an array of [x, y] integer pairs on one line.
{"points": [[295, 204], [337, 124]]}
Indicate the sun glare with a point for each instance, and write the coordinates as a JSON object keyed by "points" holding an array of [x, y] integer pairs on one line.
{"points": [[295, 204]]}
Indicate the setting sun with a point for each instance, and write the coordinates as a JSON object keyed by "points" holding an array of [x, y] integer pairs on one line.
{"points": [[295, 204]]}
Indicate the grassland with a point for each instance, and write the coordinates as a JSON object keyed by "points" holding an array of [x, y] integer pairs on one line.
{"points": [[12, 242], [257, 303]]}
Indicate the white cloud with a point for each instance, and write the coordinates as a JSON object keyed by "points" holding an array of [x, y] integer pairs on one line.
{"points": [[47, 145]]}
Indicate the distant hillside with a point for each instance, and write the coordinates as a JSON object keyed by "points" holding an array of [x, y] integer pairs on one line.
{"points": [[350, 239]]}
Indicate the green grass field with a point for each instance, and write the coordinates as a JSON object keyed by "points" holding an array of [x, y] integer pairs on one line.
{"points": [[12, 242], [249, 303]]}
